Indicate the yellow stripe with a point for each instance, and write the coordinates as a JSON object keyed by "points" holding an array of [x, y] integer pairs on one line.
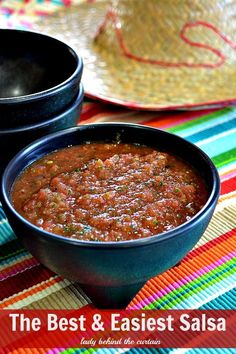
{"points": [[69, 297]]}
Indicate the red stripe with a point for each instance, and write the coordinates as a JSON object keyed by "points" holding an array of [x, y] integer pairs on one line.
{"points": [[66, 2], [24, 280], [228, 185], [7, 10], [91, 111], [41, 12], [170, 119], [19, 267], [209, 244]]}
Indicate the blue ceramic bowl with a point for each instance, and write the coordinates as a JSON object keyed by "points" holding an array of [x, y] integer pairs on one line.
{"points": [[111, 273], [14, 139], [40, 77]]}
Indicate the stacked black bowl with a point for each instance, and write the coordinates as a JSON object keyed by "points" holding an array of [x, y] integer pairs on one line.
{"points": [[40, 89]]}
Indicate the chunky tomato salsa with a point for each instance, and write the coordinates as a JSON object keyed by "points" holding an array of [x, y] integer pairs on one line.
{"points": [[108, 192]]}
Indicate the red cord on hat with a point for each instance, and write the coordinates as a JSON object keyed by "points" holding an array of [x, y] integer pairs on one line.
{"points": [[112, 16]]}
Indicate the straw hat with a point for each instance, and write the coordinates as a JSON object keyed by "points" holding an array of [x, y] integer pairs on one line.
{"points": [[153, 54]]}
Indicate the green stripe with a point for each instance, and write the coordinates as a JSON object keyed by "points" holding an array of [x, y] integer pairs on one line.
{"points": [[79, 350], [176, 296], [203, 119], [198, 285], [10, 249], [2, 258], [225, 158]]}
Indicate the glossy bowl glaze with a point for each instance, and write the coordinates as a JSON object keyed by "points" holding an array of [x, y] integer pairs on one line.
{"points": [[111, 273], [13, 140], [40, 77]]}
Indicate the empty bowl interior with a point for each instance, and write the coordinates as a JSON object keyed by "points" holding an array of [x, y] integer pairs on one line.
{"points": [[31, 63]]}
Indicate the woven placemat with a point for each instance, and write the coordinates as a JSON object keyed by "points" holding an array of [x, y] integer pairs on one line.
{"points": [[154, 54]]}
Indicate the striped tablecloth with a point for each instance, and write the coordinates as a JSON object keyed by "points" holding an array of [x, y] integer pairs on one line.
{"points": [[206, 277]]}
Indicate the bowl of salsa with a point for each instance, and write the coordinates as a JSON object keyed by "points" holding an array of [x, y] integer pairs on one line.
{"points": [[110, 205]]}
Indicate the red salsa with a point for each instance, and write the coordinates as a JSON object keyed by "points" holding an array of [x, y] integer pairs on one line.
{"points": [[108, 192]]}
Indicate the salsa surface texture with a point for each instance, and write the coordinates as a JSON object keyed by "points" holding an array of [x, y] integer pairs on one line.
{"points": [[108, 192]]}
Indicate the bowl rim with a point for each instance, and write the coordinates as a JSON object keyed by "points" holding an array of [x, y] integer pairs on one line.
{"points": [[52, 90], [41, 124], [164, 236]]}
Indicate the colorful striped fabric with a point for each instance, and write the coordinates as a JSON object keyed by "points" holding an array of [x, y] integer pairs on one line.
{"points": [[205, 278], [23, 13]]}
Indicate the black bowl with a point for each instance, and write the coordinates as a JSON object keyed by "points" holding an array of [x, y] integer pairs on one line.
{"points": [[40, 77], [13, 140], [112, 272]]}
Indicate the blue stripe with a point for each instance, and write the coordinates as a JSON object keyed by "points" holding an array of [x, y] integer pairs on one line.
{"points": [[219, 145], [225, 116], [6, 233], [211, 351], [212, 131], [2, 214], [18, 257], [224, 301]]}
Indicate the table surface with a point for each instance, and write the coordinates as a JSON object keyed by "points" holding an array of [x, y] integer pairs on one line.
{"points": [[205, 278]]}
